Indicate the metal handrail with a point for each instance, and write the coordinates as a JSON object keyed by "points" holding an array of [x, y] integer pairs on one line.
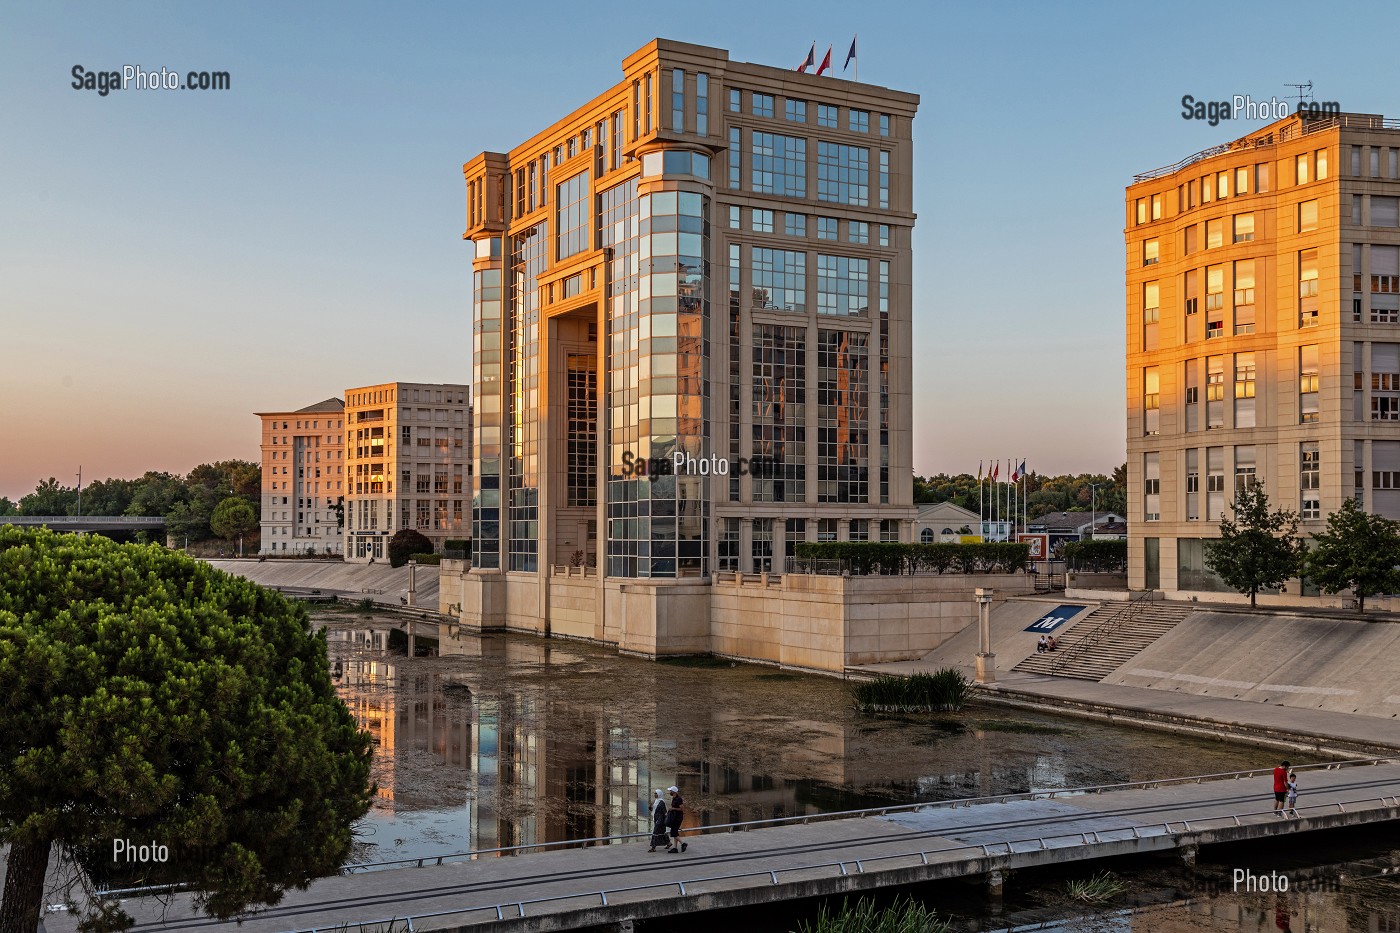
{"points": [[1115, 623], [953, 804], [982, 850]]}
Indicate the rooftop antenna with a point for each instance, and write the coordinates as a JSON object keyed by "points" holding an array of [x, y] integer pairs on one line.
{"points": [[1304, 93]]}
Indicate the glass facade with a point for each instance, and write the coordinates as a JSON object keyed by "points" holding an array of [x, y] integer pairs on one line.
{"points": [[528, 259], [488, 397], [843, 174], [843, 444], [779, 165], [780, 412]]}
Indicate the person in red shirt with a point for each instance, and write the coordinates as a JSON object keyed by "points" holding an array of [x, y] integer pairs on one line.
{"points": [[1280, 788]]}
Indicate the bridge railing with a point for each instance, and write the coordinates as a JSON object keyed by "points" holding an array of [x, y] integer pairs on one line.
{"points": [[516, 909], [746, 825]]}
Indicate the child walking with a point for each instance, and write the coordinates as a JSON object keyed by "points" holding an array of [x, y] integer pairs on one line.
{"points": [[1292, 793]]}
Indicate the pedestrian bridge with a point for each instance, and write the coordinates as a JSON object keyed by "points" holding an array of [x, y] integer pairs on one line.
{"points": [[87, 522], [601, 881]]}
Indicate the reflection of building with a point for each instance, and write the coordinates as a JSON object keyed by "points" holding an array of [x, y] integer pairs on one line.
{"points": [[711, 261], [303, 479], [407, 464], [1263, 297]]}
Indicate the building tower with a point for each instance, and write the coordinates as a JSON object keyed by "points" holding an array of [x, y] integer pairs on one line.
{"points": [[1263, 319]]}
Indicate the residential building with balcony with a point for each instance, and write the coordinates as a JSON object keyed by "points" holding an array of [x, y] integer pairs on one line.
{"points": [[1263, 333], [303, 481], [408, 464]]}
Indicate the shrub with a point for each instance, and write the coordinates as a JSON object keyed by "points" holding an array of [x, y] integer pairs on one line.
{"points": [[431, 560], [942, 691], [1096, 889], [905, 915], [863, 558], [405, 543], [1096, 556]]}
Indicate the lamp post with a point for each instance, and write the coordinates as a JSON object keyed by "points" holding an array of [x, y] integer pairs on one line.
{"points": [[1094, 507], [986, 661]]}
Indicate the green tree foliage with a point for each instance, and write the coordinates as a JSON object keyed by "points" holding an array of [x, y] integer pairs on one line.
{"points": [[108, 496], [1043, 494], [50, 498], [405, 543], [1258, 549], [233, 517], [7, 507], [150, 697], [1358, 552], [1093, 556]]}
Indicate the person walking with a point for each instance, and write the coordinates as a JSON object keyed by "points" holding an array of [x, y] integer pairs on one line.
{"points": [[1293, 793], [675, 817], [1280, 788], [658, 821]]}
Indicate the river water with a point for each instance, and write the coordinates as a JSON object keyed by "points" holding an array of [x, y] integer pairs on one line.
{"points": [[502, 740]]}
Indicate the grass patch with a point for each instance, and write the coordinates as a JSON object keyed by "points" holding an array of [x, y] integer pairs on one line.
{"points": [[1096, 889], [942, 691], [1019, 726], [905, 915], [697, 660]]}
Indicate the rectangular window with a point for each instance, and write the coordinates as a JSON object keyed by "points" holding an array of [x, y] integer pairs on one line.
{"points": [[520, 192], [884, 179], [1261, 178], [1193, 484], [636, 110], [1242, 180], [780, 412], [734, 157], [827, 228], [647, 109], [1375, 162], [779, 279], [1246, 469], [1307, 288], [826, 115], [734, 100], [1152, 487], [884, 234], [1215, 233], [1151, 253], [1244, 390], [729, 546], [1385, 211], [843, 422], [1190, 239], [1156, 207], [733, 217], [1244, 228], [678, 100], [1356, 161], [843, 174], [1215, 302], [617, 119], [779, 165], [1385, 382], [573, 219], [1207, 186], [1310, 479], [1193, 395], [843, 285], [762, 105], [1308, 377], [1244, 296], [884, 124], [859, 121], [1307, 216], [795, 110], [1321, 164], [1151, 314], [762, 221], [1151, 401], [1215, 392], [1356, 210], [1302, 163], [858, 231], [1142, 210], [702, 104], [795, 224]]}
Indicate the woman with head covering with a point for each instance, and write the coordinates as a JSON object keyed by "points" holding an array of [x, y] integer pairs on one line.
{"points": [[675, 816], [658, 821]]}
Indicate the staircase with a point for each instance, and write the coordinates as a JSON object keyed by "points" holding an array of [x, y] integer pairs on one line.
{"points": [[1106, 638]]}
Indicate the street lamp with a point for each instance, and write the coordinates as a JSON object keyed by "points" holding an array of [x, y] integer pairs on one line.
{"points": [[1094, 507]]}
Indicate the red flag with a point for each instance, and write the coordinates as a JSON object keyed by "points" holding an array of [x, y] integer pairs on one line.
{"points": [[810, 60], [996, 471], [826, 62]]}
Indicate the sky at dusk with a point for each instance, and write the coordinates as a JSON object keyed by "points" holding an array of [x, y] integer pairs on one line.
{"points": [[171, 262]]}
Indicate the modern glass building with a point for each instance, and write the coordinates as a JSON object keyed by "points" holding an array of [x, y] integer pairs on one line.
{"points": [[691, 326]]}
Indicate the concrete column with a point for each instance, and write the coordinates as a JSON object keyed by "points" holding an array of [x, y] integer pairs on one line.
{"points": [[996, 884], [986, 661], [1188, 854], [843, 529], [413, 583]]}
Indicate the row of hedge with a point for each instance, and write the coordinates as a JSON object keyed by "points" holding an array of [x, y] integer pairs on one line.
{"points": [[864, 558], [1096, 556]]}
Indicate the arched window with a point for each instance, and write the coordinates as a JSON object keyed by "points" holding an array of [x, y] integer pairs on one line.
{"points": [[926, 536], [947, 531]]}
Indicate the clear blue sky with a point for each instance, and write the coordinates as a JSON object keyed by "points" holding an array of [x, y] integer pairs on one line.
{"points": [[171, 262]]}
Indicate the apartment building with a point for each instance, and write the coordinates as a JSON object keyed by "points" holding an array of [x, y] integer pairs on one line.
{"points": [[303, 479], [692, 318], [1263, 333], [408, 463]]}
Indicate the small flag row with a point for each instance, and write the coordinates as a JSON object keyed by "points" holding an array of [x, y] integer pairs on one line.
{"points": [[811, 60]]}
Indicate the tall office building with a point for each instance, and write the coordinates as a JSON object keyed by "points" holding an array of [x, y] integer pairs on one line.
{"points": [[1263, 318], [303, 479], [407, 464], [704, 271]]}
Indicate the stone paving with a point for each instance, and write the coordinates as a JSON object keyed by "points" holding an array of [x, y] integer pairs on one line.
{"points": [[821, 857]]}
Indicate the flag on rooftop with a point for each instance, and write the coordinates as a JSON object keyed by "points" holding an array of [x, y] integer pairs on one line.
{"points": [[851, 55], [826, 62], [811, 60]]}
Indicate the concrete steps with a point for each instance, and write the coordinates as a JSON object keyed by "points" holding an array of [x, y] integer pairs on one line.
{"points": [[1106, 639]]}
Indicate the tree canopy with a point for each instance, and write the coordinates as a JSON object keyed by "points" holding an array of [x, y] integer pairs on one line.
{"points": [[405, 543], [1358, 552], [233, 517], [150, 697], [1066, 493], [1258, 549]]}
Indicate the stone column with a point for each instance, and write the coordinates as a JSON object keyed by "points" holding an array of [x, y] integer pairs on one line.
{"points": [[986, 661]]}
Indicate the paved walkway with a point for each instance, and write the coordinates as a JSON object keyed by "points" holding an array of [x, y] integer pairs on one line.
{"points": [[562, 889], [1321, 728]]}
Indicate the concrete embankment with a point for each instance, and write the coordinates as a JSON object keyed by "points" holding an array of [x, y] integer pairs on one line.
{"points": [[379, 582]]}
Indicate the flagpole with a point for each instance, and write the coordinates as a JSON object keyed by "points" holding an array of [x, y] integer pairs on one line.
{"points": [[854, 39]]}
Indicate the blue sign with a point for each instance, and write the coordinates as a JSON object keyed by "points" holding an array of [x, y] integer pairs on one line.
{"points": [[1053, 620]]}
